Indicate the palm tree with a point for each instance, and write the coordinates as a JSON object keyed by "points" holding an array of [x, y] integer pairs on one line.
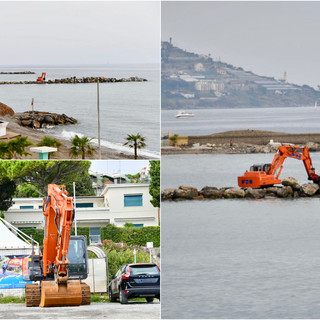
{"points": [[48, 142], [136, 142], [81, 146], [17, 147]]}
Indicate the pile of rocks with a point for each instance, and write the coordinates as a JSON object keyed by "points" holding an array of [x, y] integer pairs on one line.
{"points": [[290, 189], [38, 119], [78, 80]]}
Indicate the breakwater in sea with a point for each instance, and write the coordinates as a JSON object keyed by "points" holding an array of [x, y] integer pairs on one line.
{"points": [[74, 80], [17, 72], [290, 189]]}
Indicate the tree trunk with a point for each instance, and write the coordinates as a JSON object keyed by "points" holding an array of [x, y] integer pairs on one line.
{"points": [[135, 151]]}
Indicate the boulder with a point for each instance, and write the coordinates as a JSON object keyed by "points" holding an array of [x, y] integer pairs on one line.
{"points": [[255, 193], [167, 194], [232, 193], [186, 188], [211, 193], [36, 124], [272, 191], [5, 110], [187, 194], [292, 182], [285, 192], [310, 189]]}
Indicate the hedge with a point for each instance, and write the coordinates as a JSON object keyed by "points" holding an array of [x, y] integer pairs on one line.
{"points": [[135, 236], [38, 234]]}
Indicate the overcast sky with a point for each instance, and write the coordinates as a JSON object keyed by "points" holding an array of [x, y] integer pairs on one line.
{"points": [[118, 166], [267, 38], [88, 32]]}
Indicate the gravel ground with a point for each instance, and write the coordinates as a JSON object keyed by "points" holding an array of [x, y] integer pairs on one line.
{"points": [[133, 310]]}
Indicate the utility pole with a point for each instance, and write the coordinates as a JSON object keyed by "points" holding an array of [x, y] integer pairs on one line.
{"points": [[74, 207], [98, 105]]}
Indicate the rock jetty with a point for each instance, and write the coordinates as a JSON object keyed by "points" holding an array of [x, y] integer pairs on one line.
{"points": [[18, 72], [290, 189], [78, 80], [39, 119]]}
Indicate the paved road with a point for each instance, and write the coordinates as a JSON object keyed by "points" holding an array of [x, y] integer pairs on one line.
{"points": [[132, 310]]}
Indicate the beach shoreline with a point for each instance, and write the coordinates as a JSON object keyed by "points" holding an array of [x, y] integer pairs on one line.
{"points": [[35, 136]]}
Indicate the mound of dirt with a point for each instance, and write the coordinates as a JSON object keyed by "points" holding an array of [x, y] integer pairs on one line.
{"points": [[5, 110]]}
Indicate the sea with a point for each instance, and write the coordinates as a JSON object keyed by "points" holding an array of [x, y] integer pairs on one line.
{"points": [[238, 259], [208, 121], [125, 107]]}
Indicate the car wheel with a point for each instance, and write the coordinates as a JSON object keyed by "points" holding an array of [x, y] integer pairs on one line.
{"points": [[123, 297], [111, 296], [149, 300]]}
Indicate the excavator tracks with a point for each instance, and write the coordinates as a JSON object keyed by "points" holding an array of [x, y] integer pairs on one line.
{"points": [[32, 295], [86, 294]]}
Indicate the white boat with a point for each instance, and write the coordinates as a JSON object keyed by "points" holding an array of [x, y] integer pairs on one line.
{"points": [[183, 114]]}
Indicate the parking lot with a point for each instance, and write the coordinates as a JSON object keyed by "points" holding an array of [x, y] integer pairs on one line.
{"points": [[132, 310]]}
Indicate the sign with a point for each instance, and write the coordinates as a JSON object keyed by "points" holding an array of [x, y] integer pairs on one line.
{"points": [[149, 245], [11, 272]]}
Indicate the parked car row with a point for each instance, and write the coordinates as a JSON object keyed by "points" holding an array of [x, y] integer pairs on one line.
{"points": [[139, 280]]}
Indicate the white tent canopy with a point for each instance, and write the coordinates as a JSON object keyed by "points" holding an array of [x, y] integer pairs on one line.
{"points": [[10, 244]]}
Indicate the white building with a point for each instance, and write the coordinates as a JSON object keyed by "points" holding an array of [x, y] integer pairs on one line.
{"points": [[118, 204], [209, 85]]}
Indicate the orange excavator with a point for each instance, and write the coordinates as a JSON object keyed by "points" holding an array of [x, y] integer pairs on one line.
{"points": [[261, 175], [64, 261], [42, 78]]}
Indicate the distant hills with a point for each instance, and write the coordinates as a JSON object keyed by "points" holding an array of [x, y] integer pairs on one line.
{"points": [[190, 80]]}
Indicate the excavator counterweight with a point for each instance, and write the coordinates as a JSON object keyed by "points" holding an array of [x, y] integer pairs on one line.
{"points": [[268, 174], [64, 261]]}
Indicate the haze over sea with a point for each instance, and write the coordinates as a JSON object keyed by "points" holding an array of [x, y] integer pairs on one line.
{"points": [[208, 121], [125, 107], [242, 259]]}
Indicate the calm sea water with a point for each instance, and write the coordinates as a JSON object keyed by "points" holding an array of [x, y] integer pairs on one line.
{"points": [[126, 108], [238, 258], [208, 121]]}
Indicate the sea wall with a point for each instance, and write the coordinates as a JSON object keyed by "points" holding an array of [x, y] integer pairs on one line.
{"points": [[74, 80], [290, 189], [248, 137]]}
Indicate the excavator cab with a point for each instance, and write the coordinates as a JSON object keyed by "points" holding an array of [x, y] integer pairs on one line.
{"points": [[78, 257], [260, 167]]}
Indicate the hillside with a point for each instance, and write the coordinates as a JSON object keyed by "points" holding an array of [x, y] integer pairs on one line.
{"points": [[190, 80]]}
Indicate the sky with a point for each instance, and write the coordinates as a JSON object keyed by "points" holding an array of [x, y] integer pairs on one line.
{"points": [[267, 38], [118, 166], [79, 32]]}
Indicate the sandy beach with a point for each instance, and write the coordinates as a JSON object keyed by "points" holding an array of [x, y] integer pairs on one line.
{"points": [[35, 136]]}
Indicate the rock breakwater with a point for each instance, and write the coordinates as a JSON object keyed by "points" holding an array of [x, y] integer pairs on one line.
{"points": [[17, 72], [39, 119], [77, 80], [290, 189]]}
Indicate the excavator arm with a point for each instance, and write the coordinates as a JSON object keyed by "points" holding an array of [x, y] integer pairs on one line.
{"points": [[59, 214]]}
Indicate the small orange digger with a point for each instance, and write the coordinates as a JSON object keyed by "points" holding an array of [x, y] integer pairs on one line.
{"points": [[42, 78], [263, 175]]}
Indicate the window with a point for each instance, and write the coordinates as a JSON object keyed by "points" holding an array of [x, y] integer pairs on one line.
{"points": [[84, 205], [95, 235], [138, 225], [26, 207], [134, 200], [40, 207]]}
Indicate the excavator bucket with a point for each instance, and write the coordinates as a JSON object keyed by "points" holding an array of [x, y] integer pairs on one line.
{"points": [[65, 294]]}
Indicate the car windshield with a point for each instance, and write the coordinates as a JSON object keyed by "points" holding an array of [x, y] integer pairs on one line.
{"points": [[136, 270]]}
